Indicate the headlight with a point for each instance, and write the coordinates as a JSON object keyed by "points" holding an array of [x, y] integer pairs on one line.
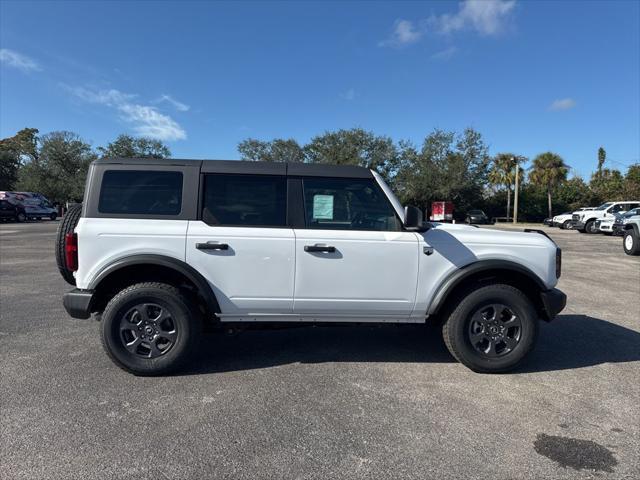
{"points": [[625, 220]]}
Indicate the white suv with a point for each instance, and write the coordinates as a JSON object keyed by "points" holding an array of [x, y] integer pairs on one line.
{"points": [[162, 247], [585, 221]]}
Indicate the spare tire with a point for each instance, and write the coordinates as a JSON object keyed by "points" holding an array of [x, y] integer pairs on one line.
{"points": [[67, 225]]}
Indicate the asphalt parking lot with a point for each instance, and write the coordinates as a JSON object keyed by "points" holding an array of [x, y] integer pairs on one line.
{"points": [[324, 402]]}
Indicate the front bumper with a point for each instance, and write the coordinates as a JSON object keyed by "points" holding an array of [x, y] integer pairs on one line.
{"points": [[578, 225], [78, 303], [553, 302], [618, 229]]}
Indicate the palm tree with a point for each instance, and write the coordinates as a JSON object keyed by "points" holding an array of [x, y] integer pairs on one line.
{"points": [[503, 173], [548, 171]]}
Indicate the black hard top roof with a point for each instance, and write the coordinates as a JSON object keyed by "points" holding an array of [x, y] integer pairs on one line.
{"points": [[239, 167]]}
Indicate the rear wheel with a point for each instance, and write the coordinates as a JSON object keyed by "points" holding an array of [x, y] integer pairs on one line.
{"points": [[150, 329], [631, 243], [67, 225], [21, 217], [53, 216], [492, 329]]}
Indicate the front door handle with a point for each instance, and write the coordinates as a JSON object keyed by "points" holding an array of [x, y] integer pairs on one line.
{"points": [[212, 246], [319, 248]]}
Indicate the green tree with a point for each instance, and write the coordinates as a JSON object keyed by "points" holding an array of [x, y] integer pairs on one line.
{"points": [[126, 146], [548, 171], [502, 173], [448, 167], [14, 151], [354, 147], [277, 150], [602, 156], [632, 182], [59, 169], [608, 185]]}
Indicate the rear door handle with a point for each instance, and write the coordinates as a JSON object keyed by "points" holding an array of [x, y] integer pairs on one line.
{"points": [[212, 246], [319, 248]]}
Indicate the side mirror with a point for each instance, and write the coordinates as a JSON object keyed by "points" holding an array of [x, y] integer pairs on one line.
{"points": [[413, 219]]}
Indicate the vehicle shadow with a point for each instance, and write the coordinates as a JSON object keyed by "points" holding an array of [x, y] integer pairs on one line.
{"points": [[571, 341], [578, 341]]}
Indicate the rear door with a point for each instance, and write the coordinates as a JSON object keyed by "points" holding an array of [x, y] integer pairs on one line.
{"points": [[353, 258], [242, 244]]}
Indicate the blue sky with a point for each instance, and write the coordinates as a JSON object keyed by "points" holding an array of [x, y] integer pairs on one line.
{"points": [[530, 76]]}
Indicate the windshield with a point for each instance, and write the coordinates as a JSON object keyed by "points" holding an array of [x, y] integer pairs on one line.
{"points": [[631, 213], [604, 205], [476, 212]]}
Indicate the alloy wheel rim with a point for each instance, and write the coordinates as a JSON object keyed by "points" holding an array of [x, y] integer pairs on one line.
{"points": [[628, 242], [148, 330], [494, 330]]}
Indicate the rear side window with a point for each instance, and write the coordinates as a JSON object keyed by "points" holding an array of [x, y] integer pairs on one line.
{"points": [[347, 204], [144, 192], [245, 200]]}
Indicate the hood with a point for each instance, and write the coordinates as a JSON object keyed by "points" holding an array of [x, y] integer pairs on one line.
{"points": [[471, 235]]}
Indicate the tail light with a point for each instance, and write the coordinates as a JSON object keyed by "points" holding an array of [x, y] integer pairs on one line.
{"points": [[71, 251], [558, 262]]}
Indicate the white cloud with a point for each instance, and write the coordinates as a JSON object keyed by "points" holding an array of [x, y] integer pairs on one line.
{"points": [[146, 120], [18, 60], [445, 54], [181, 107], [562, 104], [404, 33], [487, 17], [349, 94]]}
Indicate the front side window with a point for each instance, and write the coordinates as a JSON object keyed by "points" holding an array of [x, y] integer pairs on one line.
{"points": [[144, 192], [347, 204], [245, 200]]}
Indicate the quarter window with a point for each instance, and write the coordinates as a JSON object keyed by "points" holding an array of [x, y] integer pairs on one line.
{"points": [[144, 192], [245, 200], [347, 204]]}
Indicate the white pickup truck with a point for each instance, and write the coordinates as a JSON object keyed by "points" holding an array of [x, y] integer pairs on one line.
{"points": [[585, 221], [161, 247]]}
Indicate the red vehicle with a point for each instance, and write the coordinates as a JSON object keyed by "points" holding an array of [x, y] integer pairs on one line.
{"points": [[441, 212]]}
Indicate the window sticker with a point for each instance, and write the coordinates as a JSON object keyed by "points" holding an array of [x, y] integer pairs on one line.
{"points": [[323, 207]]}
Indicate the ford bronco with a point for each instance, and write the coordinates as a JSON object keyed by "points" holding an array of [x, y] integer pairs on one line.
{"points": [[161, 248]]}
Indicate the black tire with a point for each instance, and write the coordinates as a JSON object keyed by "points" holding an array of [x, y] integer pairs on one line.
{"points": [[590, 227], [139, 358], [462, 323], [566, 225], [21, 217], [631, 242], [67, 225], [53, 216]]}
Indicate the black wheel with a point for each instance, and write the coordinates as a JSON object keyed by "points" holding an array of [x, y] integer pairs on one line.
{"points": [[150, 329], [567, 225], [631, 243], [21, 217], [590, 227], [492, 329], [67, 225], [53, 216]]}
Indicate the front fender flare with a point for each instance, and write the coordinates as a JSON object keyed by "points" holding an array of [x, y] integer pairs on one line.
{"points": [[461, 274]]}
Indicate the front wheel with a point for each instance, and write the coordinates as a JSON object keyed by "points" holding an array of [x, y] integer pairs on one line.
{"points": [[21, 217], [492, 329], [631, 243], [590, 227], [567, 225], [150, 329]]}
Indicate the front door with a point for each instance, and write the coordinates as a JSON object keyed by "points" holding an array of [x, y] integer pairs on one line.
{"points": [[353, 258], [242, 244]]}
